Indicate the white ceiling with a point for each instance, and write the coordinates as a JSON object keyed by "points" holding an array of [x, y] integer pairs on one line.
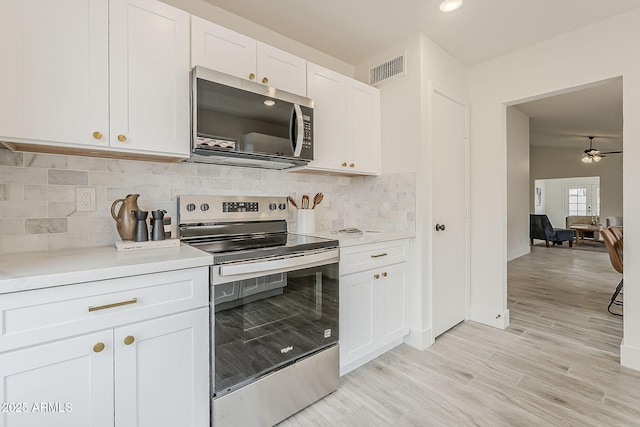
{"points": [[568, 120], [354, 30]]}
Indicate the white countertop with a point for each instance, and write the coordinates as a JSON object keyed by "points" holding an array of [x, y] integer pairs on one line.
{"points": [[36, 270], [365, 238]]}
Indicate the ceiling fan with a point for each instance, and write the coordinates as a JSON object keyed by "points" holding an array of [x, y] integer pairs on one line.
{"points": [[592, 155]]}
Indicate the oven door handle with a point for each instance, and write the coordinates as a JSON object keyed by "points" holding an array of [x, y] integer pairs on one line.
{"points": [[288, 262]]}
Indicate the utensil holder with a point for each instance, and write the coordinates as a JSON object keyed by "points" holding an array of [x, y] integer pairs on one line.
{"points": [[305, 220]]}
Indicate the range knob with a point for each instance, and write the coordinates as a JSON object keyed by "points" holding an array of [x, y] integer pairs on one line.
{"points": [[204, 207], [282, 206], [191, 207], [273, 206]]}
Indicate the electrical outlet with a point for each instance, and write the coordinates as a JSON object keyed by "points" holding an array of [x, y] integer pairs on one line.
{"points": [[85, 199]]}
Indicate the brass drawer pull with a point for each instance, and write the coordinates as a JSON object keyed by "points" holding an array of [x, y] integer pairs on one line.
{"points": [[129, 340], [384, 274], [377, 276], [379, 255], [115, 304], [98, 347]]}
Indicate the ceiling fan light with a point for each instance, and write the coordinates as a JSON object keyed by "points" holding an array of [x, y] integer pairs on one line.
{"points": [[587, 159], [450, 5], [596, 158]]}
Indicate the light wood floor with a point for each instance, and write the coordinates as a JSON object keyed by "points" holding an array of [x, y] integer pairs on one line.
{"points": [[556, 364]]}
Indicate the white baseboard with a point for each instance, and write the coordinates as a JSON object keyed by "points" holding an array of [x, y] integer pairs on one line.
{"points": [[630, 356], [489, 317], [419, 339], [517, 253]]}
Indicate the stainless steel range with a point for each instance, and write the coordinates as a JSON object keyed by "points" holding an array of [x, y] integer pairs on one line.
{"points": [[274, 308]]}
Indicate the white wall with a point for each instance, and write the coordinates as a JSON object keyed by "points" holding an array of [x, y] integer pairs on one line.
{"points": [[517, 183], [554, 196], [406, 147], [595, 53]]}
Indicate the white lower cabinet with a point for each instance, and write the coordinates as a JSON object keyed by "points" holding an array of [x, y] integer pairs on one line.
{"points": [[374, 301], [59, 384], [147, 365]]}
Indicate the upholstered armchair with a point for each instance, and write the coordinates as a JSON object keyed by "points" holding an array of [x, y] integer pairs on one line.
{"points": [[540, 228]]}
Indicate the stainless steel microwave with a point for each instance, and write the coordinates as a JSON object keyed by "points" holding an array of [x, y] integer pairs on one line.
{"points": [[244, 123]]}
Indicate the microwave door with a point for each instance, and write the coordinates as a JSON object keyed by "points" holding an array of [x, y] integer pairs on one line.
{"points": [[297, 130]]}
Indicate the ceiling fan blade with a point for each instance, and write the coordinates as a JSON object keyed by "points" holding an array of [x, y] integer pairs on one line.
{"points": [[611, 152]]}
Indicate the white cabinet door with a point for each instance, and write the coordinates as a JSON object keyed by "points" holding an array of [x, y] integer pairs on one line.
{"points": [[67, 383], [346, 123], [149, 53], [218, 48], [358, 322], [54, 75], [162, 371], [363, 127], [281, 69], [327, 89], [393, 303]]}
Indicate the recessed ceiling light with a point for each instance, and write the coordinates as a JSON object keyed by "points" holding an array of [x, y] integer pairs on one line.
{"points": [[450, 5], [269, 102]]}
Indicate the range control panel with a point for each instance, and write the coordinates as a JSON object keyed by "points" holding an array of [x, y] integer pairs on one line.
{"points": [[205, 209]]}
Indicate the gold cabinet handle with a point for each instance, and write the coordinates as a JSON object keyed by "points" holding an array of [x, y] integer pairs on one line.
{"points": [[384, 274], [252, 76], [352, 165], [379, 255], [98, 347], [115, 304], [344, 165], [129, 340], [122, 138], [265, 80], [377, 276], [97, 135]]}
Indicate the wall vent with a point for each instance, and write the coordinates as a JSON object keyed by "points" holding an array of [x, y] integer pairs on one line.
{"points": [[383, 72]]}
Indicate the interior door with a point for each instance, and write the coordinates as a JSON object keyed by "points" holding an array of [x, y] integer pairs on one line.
{"points": [[450, 248]]}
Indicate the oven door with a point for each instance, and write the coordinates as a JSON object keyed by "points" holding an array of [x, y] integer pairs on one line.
{"points": [[271, 313]]}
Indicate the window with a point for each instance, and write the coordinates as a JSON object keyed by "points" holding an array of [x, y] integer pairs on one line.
{"points": [[584, 200], [578, 201]]}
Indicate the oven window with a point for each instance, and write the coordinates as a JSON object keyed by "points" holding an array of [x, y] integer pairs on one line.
{"points": [[264, 323]]}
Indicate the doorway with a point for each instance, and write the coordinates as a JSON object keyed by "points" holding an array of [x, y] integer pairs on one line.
{"points": [[553, 132]]}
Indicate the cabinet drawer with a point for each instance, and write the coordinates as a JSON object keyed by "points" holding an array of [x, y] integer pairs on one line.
{"points": [[364, 257], [42, 315]]}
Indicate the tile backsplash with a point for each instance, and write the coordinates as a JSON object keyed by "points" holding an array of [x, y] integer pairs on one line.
{"points": [[38, 191]]}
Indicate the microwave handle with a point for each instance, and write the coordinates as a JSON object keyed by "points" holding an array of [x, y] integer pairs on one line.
{"points": [[299, 135]]}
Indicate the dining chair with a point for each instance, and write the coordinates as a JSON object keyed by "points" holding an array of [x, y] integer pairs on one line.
{"points": [[614, 248], [617, 233]]}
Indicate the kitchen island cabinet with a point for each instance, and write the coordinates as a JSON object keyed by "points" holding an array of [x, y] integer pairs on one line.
{"points": [[347, 123], [96, 77], [122, 351], [374, 300], [221, 49]]}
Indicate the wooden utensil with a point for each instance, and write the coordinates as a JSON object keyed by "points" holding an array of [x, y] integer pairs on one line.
{"points": [[317, 199], [305, 201], [293, 202]]}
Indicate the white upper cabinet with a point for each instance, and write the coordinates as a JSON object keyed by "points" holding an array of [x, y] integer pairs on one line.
{"points": [[346, 123], [220, 49], [149, 53], [95, 74], [54, 78], [281, 69]]}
